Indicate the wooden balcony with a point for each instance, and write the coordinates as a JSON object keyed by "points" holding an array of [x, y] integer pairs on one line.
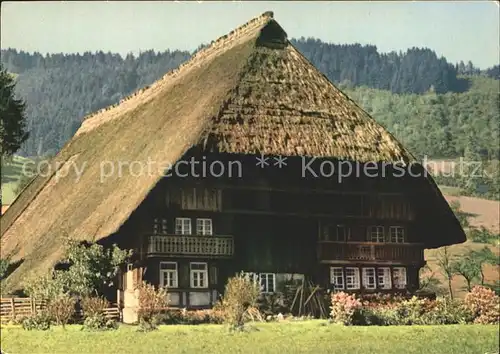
{"points": [[338, 252], [191, 246]]}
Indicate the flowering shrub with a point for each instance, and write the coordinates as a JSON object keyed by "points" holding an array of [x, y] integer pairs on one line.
{"points": [[484, 305], [344, 307], [413, 311], [447, 311]]}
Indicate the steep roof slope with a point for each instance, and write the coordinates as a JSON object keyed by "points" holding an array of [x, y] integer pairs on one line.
{"points": [[248, 92]]}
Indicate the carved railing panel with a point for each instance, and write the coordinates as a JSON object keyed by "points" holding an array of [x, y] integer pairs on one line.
{"points": [[211, 246], [366, 251]]}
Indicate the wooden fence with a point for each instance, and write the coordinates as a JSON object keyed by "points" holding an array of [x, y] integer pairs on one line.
{"points": [[15, 307]]}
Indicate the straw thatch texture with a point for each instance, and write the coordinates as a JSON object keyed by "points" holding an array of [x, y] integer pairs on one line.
{"points": [[285, 106], [249, 92]]}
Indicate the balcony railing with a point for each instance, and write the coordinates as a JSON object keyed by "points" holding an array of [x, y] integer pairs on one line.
{"points": [[207, 246], [369, 251]]}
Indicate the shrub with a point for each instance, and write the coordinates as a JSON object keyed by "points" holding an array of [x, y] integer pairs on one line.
{"points": [[481, 235], [99, 322], [88, 268], [239, 301], [343, 308], [40, 321], [61, 309], [192, 317], [4, 266], [93, 310], [152, 302], [447, 311], [93, 306], [484, 305], [46, 287], [413, 311], [272, 304]]}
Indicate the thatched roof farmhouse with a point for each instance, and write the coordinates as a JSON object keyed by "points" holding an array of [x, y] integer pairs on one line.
{"points": [[249, 93]]}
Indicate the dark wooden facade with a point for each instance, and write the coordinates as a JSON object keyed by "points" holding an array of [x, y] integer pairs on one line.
{"points": [[361, 234]]}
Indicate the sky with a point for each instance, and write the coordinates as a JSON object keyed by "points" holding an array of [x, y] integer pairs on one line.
{"points": [[456, 30]]}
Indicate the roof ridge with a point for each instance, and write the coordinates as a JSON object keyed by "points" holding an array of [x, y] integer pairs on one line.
{"points": [[215, 45]]}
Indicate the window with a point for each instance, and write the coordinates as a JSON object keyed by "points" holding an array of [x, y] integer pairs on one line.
{"points": [[251, 276], [352, 278], [159, 226], [384, 278], [342, 233], [204, 226], [337, 277], [376, 234], [338, 233], [397, 234], [168, 274], [267, 282], [183, 226], [369, 278], [399, 277], [198, 275]]}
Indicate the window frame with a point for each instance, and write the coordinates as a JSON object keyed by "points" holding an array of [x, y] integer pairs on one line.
{"points": [[397, 228], [355, 279], [174, 272], [160, 226], [182, 231], [331, 232], [384, 276], [203, 220], [365, 277], [198, 272], [334, 277], [402, 275], [379, 236], [264, 289], [346, 236]]}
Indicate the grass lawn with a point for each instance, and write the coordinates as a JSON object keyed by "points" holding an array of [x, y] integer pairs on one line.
{"points": [[287, 337]]}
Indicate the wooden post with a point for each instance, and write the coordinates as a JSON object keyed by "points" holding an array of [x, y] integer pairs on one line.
{"points": [[391, 269], [13, 307], [33, 306]]}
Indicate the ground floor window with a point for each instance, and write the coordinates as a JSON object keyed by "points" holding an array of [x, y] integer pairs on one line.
{"points": [[267, 282], [198, 275], [168, 274], [399, 277], [384, 278], [337, 277], [352, 278], [369, 278]]}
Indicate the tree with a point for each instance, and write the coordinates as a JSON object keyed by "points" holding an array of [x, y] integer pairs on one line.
{"points": [[12, 116], [91, 267], [428, 281], [482, 257], [468, 268], [86, 269], [446, 267]]}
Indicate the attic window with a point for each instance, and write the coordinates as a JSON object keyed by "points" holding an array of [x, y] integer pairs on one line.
{"points": [[272, 36]]}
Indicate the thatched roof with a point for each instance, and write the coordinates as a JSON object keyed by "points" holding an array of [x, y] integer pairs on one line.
{"points": [[249, 92]]}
